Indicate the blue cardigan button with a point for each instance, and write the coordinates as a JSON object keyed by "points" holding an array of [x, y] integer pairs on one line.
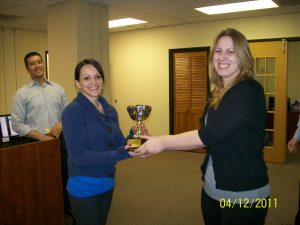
{"points": [[109, 145]]}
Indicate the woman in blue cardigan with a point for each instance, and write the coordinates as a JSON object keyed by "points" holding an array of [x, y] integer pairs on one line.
{"points": [[95, 144]]}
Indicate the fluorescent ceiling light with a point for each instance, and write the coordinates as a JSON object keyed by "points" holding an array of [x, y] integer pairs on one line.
{"points": [[237, 7], [124, 22]]}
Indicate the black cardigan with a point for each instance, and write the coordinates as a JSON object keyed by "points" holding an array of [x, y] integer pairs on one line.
{"points": [[234, 135]]}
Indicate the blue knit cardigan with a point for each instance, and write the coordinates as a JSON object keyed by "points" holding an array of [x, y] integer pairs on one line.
{"points": [[94, 141]]}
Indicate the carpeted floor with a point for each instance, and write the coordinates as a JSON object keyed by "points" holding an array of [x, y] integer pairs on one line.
{"points": [[165, 190]]}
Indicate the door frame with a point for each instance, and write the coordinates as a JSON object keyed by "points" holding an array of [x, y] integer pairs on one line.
{"points": [[171, 80], [269, 154]]}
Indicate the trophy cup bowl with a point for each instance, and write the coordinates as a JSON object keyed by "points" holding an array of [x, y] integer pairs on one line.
{"points": [[138, 113]]}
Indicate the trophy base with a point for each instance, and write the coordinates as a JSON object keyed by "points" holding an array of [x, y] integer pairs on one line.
{"points": [[135, 143]]}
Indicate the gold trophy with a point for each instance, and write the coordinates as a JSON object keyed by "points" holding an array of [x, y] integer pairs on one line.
{"points": [[138, 113]]}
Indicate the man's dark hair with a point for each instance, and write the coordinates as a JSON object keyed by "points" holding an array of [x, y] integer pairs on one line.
{"points": [[30, 54]]}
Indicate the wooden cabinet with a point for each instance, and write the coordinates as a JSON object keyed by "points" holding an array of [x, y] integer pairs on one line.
{"points": [[292, 121]]}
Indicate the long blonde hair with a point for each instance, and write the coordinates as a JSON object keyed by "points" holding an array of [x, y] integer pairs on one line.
{"points": [[244, 60]]}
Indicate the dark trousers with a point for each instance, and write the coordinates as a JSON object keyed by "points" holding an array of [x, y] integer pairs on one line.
{"points": [[91, 210], [297, 219], [213, 214], [64, 172]]}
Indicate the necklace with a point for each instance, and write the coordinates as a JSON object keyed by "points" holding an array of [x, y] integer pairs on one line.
{"points": [[99, 107]]}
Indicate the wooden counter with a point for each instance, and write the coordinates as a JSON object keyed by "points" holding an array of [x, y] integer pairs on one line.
{"points": [[30, 184]]}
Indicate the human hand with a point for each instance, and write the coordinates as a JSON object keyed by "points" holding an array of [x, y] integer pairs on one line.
{"points": [[130, 151], [153, 145], [293, 145], [127, 147], [38, 136], [46, 137], [56, 130]]}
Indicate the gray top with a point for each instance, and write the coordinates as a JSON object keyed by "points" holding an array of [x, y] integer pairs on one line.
{"points": [[297, 132], [37, 107], [239, 197]]}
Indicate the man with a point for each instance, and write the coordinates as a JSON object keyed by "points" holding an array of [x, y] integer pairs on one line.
{"points": [[293, 143], [37, 109], [293, 148]]}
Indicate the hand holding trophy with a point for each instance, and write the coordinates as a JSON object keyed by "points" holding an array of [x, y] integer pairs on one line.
{"points": [[138, 113]]}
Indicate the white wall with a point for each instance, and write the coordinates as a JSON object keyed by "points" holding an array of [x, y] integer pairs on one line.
{"points": [[14, 45], [139, 61], [294, 71]]}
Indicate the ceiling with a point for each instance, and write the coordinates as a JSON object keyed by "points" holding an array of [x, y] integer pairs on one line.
{"points": [[32, 14]]}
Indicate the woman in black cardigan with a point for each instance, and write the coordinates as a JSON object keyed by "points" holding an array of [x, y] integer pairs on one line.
{"points": [[236, 186]]}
